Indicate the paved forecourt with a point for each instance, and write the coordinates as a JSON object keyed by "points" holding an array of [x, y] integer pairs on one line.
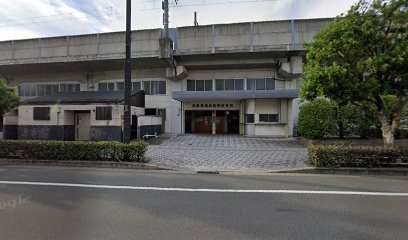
{"points": [[228, 152]]}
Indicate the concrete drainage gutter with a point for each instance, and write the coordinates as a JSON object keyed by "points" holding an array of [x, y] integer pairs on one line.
{"points": [[67, 163], [402, 171], [348, 171]]}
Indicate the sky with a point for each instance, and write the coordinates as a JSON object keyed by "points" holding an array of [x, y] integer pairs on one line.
{"points": [[22, 19]]}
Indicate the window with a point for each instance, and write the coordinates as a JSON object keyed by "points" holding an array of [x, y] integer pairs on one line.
{"points": [[191, 85], [270, 84], [162, 87], [219, 84], [239, 84], [229, 84], [41, 113], [69, 88], [27, 90], [251, 84], [44, 90], [120, 86], [136, 86], [249, 118], [146, 87], [103, 113], [106, 87], [154, 87], [268, 118], [199, 85], [47, 89], [261, 84], [208, 85]]}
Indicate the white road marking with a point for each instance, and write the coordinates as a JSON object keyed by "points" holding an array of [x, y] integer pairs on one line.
{"points": [[79, 185]]}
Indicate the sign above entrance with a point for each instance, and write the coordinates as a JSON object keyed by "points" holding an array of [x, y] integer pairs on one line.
{"points": [[227, 105], [213, 105]]}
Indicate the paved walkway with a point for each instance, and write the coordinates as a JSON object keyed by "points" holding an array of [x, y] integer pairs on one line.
{"points": [[228, 152]]}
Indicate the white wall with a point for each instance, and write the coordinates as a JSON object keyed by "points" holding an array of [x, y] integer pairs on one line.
{"points": [[264, 106], [64, 115], [250, 106], [149, 120], [276, 130], [10, 120]]}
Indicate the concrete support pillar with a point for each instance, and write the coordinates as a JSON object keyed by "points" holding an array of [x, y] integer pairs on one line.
{"points": [[193, 122], [242, 117], [214, 124], [226, 121]]}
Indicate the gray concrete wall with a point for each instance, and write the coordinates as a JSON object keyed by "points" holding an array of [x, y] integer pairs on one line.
{"points": [[10, 132], [248, 37], [79, 48], [238, 37], [61, 132], [106, 133], [38, 132]]}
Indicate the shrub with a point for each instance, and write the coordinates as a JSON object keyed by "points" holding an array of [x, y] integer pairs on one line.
{"points": [[65, 150], [317, 119], [345, 156], [349, 120]]}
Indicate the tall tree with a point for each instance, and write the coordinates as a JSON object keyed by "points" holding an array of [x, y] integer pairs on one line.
{"points": [[360, 57], [8, 99]]}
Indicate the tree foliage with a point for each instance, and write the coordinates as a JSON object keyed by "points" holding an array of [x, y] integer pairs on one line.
{"points": [[321, 118], [317, 119], [8, 99], [360, 57]]}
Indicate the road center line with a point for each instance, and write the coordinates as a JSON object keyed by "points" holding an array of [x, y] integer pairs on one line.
{"points": [[79, 185]]}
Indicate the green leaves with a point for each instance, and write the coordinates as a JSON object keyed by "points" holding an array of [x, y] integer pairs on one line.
{"points": [[361, 56], [8, 99], [346, 156], [317, 119], [360, 44], [66, 150]]}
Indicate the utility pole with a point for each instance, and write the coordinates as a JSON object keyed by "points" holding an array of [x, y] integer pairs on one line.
{"points": [[195, 19], [128, 75], [165, 7]]}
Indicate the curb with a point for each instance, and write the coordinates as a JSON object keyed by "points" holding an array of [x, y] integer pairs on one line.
{"points": [[67, 163], [147, 166], [349, 171]]}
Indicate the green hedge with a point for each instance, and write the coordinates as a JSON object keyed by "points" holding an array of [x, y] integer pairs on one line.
{"points": [[342, 156], [67, 150], [317, 119]]}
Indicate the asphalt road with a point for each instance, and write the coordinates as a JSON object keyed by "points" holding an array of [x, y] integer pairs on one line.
{"points": [[67, 203]]}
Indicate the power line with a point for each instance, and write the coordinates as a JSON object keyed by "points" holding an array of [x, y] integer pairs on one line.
{"points": [[113, 12], [204, 3], [63, 17], [224, 3]]}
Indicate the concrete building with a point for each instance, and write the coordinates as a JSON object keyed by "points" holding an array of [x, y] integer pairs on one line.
{"points": [[238, 78], [81, 116]]}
